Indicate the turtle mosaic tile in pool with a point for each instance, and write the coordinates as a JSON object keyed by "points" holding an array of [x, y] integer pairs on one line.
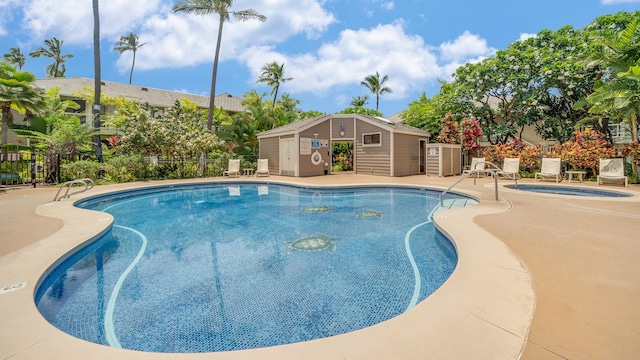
{"points": [[209, 268]]}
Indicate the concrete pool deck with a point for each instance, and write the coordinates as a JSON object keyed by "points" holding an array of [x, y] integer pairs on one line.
{"points": [[539, 276]]}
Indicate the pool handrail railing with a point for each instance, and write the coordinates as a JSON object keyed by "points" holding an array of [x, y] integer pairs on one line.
{"points": [[88, 185]]}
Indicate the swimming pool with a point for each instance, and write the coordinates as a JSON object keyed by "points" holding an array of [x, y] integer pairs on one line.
{"points": [[226, 267], [568, 190]]}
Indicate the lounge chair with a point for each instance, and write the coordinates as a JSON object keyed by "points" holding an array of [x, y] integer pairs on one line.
{"points": [[263, 167], [510, 168], [550, 169], [234, 169], [476, 168], [612, 169]]}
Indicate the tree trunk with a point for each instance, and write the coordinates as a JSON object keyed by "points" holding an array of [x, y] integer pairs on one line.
{"points": [[214, 74], [132, 65], [97, 80]]}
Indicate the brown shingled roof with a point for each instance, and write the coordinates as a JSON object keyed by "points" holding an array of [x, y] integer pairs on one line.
{"points": [[156, 97]]}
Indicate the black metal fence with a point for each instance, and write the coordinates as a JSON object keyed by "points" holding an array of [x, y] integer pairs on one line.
{"points": [[31, 167], [20, 167]]}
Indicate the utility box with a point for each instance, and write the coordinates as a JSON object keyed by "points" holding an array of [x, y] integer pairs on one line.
{"points": [[443, 159]]}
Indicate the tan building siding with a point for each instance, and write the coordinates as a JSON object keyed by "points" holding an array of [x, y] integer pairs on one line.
{"points": [[344, 124], [307, 168], [270, 149], [406, 155], [372, 160]]}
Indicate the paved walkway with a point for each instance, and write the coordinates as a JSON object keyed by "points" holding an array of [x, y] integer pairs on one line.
{"points": [[582, 255]]}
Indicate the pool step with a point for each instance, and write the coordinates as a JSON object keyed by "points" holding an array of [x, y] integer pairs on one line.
{"points": [[455, 203]]}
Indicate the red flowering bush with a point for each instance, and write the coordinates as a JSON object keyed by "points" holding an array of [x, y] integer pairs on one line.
{"points": [[471, 135], [585, 151], [449, 134], [529, 155], [632, 150]]}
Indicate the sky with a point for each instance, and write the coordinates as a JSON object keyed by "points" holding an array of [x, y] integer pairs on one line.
{"points": [[327, 46]]}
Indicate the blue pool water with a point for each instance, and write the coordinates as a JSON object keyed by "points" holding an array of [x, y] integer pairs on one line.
{"points": [[205, 268], [568, 190]]}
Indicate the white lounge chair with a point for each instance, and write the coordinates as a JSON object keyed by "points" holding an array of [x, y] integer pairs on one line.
{"points": [[263, 167], [612, 169], [550, 169], [234, 169], [511, 168], [476, 168]]}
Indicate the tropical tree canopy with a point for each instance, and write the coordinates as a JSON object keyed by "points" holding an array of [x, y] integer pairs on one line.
{"points": [[15, 57], [375, 84], [129, 42], [617, 94], [223, 9], [17, 91], [273, 76], [53, 51]]}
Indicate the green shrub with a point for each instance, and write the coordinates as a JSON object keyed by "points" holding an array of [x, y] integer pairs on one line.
{"points": [[82, 169], [127, 168]]}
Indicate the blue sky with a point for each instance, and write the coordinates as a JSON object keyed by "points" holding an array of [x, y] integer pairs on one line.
{"points": [[327, 46]]}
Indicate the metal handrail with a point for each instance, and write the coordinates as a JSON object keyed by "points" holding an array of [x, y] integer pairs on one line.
{"points": [[494, 170], [85, 181]]}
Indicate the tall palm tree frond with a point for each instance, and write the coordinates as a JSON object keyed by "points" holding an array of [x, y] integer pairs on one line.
{"points": [[129, 42], [222, 8], [376, 85], [54, 51]]}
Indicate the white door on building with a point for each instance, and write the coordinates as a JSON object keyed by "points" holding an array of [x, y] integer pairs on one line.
{"points": [[288, 157]]}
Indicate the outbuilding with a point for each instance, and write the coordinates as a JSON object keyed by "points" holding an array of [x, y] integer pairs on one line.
{"points": [[380, 147]]}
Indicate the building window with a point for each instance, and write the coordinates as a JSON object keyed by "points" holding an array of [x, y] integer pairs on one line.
{"points": [[372, 139]]}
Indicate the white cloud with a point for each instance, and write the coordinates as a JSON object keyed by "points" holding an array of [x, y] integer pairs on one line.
{"points": [[611, 2], [350, 58], [7, 15], [171, 40], [388, 5], [525, 36], [464, 47], [73, 22], [175, 40]]}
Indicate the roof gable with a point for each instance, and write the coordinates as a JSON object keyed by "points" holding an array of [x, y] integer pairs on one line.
{"points": [[301, 125]]}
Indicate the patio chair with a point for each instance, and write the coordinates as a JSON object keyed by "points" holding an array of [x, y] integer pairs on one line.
{"points": [[234, 169], [510, 168], [550, 169], [263, 167], [476, 168], [612, 169]]}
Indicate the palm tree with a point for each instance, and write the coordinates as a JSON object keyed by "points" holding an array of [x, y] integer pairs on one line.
{"points": [[619, 94], [54, 51], [222, 8], [359, 101], [129, 43], [17, 91], [97, 80], [15, 57], [376, 86], [273, 75]]}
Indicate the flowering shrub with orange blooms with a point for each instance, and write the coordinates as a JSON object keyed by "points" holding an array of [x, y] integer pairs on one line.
{"points": [[449, 133], [529, 155], [585, 151], [113, 141], [632, 150], [471, 134]]}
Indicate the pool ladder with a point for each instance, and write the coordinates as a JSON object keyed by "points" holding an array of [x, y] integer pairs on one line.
{"points": [[493, 169], [88, 185]]}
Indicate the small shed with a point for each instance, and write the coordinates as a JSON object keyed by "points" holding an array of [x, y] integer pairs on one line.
{"points": [[380, 147], [444, 159]]}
